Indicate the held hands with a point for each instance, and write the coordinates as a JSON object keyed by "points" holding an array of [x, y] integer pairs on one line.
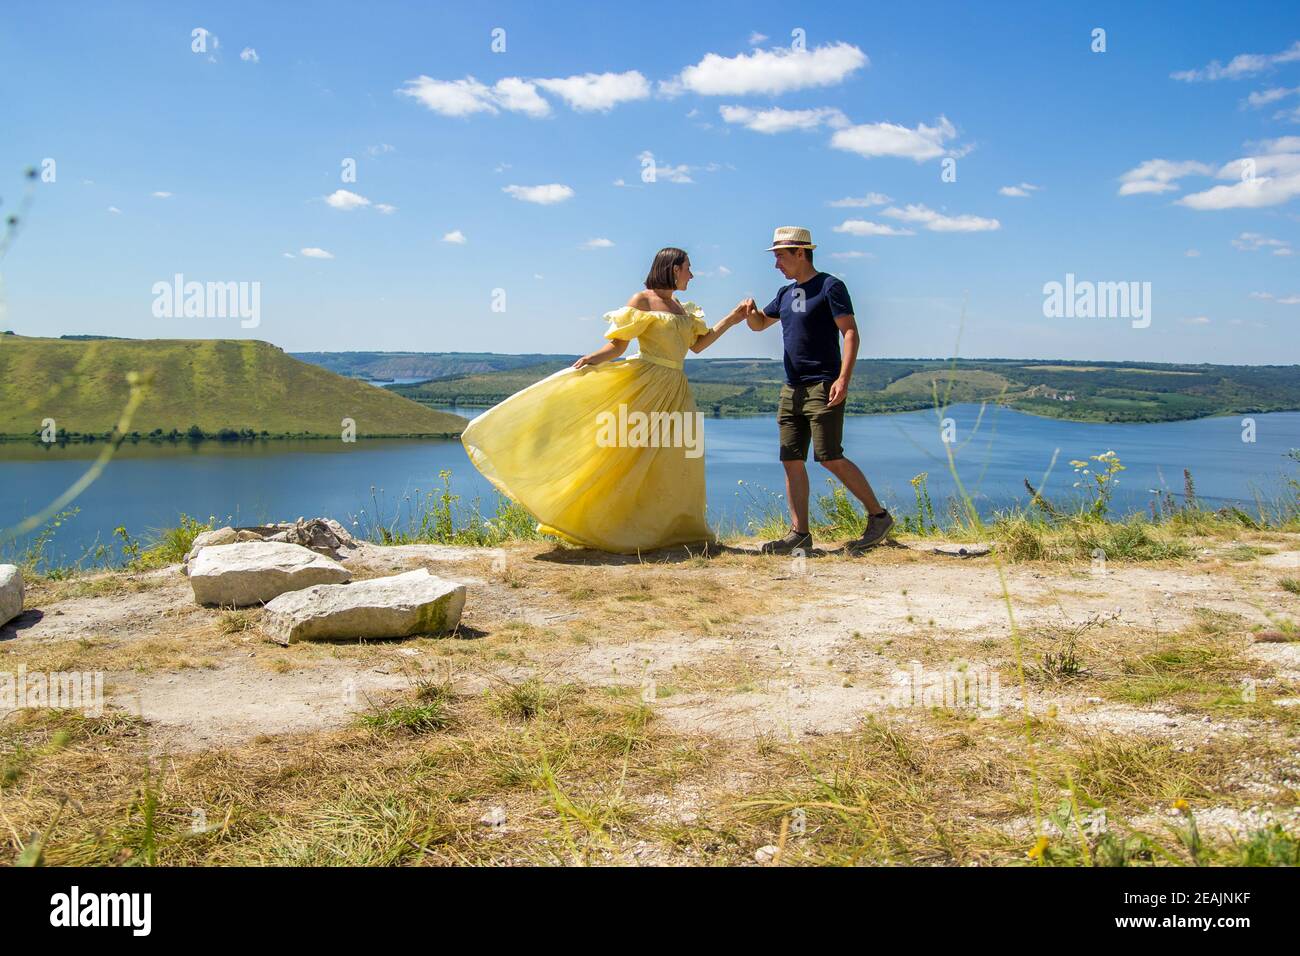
{"points": [[744, 311]]}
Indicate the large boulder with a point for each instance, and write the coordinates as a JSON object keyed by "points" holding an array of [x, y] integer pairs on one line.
{"points": [[416, 602], [253, 572], [322, 535], [11, 593]]}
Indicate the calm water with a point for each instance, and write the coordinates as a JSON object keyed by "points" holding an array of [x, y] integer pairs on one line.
{"points": [[148, 487]]}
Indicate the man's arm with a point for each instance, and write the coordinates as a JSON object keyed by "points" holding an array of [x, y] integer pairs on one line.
{"points": [[760, 319], [848, 326]]}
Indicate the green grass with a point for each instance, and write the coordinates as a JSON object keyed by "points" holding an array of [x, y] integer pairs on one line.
{"points": [[213, 384], [423, 717], [527, 699]]}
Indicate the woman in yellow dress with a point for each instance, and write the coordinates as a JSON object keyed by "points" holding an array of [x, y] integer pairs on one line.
{"points": [[609, 455]]}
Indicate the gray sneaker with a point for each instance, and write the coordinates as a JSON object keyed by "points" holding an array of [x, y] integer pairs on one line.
{"points": [[877, 527], [789, 544]]}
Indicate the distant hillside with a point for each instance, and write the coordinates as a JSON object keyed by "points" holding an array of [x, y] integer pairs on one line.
{"points": [[217, 385], [1076, 390], [425, 365]]}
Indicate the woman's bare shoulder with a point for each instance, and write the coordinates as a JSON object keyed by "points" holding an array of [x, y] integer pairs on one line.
{"points": [[640, 300]]}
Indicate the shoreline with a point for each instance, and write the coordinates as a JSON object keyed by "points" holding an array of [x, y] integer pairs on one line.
{"points": [[929, 407], [209, 439]]}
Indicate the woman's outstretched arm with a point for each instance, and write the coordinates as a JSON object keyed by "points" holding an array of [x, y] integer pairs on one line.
{"points": [[610, 350], [735, 317]]}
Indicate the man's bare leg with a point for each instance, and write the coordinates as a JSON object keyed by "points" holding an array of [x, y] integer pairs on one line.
{"points": [[852, 478], [796, 494]]}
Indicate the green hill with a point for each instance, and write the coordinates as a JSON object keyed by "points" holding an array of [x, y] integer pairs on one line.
{"points": [[221, 386], [423, 365], [1075, 390]]}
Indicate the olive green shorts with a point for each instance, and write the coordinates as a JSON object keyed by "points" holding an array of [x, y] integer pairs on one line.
{"points": [[804, 419]]}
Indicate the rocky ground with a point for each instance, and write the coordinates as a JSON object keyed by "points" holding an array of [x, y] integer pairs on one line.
{"points": [[767, 704]]}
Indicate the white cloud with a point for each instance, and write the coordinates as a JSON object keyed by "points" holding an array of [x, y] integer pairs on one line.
{"points": [[345, 199], [520, 96], [1261, 295], [938, 222], [756, 38], [249, 55], [598, 244], [768, 71], [1192, 253], [1248, 194], [1267, 179], [852, 254], [1197, 320], [469, 96], [542, 195], [723, 271], [1245, 64], [450, 97], [161, 195], [1159, 175], [312, 252], [385, 208], [1283, 144], [1021, 192], [598, 91], [861, 227], [1264, 97], [587, 92], [1254, 241], [776, 120], [455, 236], [673, 174], [114, 209], [860, 202], [288, 255], [889, 139], [380, 149]]}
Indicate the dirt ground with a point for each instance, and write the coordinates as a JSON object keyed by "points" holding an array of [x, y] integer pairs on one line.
{"points": [[739, 649]]}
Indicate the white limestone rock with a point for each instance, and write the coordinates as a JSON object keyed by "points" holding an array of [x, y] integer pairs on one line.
{"points": [[253, 572], [11, 593], [401, 605]]}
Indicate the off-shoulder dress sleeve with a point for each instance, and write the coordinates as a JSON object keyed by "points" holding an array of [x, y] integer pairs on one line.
{"points": [[627, 322], [698, 325]]}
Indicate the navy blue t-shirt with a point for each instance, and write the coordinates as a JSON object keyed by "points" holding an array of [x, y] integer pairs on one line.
{"points": [[808, 311]]}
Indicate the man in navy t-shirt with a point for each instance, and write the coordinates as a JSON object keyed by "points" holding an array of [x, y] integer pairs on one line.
{"points": [[814, 309]]}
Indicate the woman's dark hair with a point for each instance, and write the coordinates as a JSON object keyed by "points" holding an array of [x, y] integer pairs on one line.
{"points": [[661, 270]]}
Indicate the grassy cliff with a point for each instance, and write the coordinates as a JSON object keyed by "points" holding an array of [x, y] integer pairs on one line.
{"points": [[217, 385]]}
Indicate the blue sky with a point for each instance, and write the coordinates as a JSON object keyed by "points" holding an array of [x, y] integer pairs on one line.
{"points": [[1128, 161]]}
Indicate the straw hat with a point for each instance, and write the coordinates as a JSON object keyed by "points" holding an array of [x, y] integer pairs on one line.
{"points": [[787, 237]]}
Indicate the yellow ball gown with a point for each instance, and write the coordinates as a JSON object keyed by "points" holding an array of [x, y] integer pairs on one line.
{"points": [[548, 447]]}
